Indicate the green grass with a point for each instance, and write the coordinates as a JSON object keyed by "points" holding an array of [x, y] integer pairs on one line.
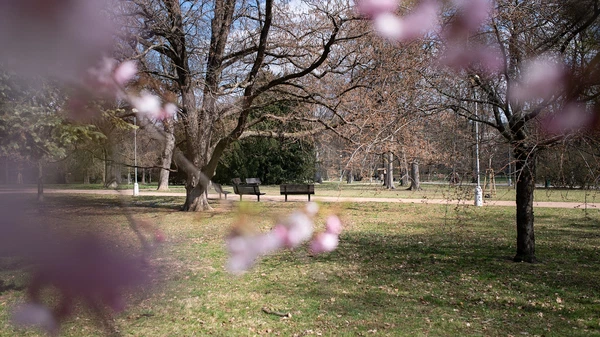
{"points": [[375, 190], [400, 270]]}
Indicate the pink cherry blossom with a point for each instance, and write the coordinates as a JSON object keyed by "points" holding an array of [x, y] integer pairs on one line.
{"points": [[481, 58], [541, 78], [245, 249], [101, 75], [241, 254], [373, 8], [571, 118], [422, 20], [472, 13], [300, 228], [169, 110], [85, 271], [389, 26], [324, 243], [125, 72], [333, 225], [108, 78], [147, 104], [312, 208]]}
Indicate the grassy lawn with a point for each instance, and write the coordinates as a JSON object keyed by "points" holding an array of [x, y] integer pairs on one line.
{"points": [[400, 270], [375, 190]]}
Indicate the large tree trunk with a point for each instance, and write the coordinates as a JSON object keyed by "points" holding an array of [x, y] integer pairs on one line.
{"points": [[415, 181], [104, 169], [195, 198], [199, 142], [40, 181], [525, 169], [116, 171], [349, 177], [404, 180], [389, 177], [167, 156]]}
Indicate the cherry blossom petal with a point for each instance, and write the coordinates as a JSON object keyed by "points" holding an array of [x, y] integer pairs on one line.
{"points": [[300, 229], [482, 58], [125, 72], [239, 263], [422, 20], [268, 242], [312, 208], [147, 104], [542, 78], [324, 242], [389, 26], [473, 13], [170, 110], [572, 118], [333, 225], [373, 8]]}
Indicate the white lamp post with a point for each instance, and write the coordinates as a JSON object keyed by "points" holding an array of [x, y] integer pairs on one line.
{"points": [[136, 187], [509, 168], [478, 191]]}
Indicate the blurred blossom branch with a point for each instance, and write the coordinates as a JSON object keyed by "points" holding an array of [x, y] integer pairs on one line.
{"points": [[246, 247], [88, 268]]}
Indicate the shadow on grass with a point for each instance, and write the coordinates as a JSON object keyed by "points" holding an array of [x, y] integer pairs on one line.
{"points": [[109, 204], [455, 278]]}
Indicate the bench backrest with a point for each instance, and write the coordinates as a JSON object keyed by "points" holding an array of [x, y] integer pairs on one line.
{"points": [[297, 188], [255, 181], [236, 181], [218, 188], [246, 189]]}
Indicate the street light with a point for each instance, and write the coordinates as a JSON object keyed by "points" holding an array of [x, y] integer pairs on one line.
{"points": [[136, 187], [509, 168], [478, 191]]}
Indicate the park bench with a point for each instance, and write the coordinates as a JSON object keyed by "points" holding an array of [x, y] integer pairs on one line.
{"points": [[248, 189], [253, 181], [296, 189], [219, 189]]}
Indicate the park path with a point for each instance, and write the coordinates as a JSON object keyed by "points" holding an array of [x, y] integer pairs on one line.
{"points": [[280, 198]]}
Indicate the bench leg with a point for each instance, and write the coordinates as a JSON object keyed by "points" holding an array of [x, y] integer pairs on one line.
{"points": [[285, 197], [258, 195], [240, 197], [309, 197]]}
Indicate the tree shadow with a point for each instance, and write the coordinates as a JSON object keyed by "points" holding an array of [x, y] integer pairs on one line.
{"points": [[447, 273]]}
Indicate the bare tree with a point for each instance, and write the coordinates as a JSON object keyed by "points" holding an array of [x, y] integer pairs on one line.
{"points": [[522, 31], [223, 56]]}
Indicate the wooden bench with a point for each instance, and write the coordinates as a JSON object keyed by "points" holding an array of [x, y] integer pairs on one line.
{"points": [[242, 189], [307, 189], [219, 189], [253, 181]]}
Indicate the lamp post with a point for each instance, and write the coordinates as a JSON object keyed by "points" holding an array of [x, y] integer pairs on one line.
{"points": [[509, 168], [478, 191], [136, 187]]}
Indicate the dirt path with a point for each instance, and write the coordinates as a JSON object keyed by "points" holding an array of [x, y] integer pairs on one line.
{"points": [[280, 198]]}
